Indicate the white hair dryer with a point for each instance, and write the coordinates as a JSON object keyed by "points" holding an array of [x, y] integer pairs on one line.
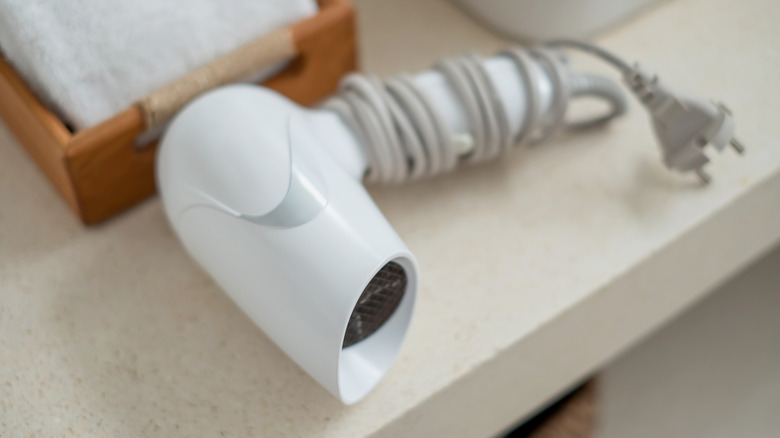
{"points": [[268, 197]]}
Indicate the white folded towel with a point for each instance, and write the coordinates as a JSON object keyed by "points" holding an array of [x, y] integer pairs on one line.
{"points": [[88, 60]]}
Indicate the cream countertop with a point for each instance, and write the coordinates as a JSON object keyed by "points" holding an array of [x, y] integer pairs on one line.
{"points": [[536, 270]]}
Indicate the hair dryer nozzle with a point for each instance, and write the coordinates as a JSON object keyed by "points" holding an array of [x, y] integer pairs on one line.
{"points": [[297, 243]]}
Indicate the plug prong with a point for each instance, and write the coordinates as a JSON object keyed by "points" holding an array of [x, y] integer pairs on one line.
{"points": [[703, 176], [737, 146]]}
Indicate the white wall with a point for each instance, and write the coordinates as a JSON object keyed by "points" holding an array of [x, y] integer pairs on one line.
{"points": [[714, 372]]}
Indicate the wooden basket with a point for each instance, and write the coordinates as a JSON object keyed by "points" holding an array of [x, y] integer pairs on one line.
{"points": [[573, 416], [100, 171]]}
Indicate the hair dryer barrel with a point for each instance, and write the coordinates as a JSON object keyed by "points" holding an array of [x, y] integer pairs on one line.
{"points": [[296, 242]]}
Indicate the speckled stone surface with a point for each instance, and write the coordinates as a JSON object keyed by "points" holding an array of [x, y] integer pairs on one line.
{"points": [[535, 270]]}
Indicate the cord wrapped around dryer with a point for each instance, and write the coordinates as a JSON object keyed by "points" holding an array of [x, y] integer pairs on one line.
{"points": [[405, 137]]}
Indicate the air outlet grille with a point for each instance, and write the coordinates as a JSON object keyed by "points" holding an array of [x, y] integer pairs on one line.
{"points": [[376, 304]]}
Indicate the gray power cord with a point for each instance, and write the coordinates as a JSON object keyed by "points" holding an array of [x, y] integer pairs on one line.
{"points": [[684, 124], [404, 136]]}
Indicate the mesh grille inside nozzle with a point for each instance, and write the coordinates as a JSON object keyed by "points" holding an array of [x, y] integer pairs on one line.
{"points": [[376, 304]]}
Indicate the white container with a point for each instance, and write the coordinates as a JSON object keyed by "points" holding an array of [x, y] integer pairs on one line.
{"points": [[535, 20]]}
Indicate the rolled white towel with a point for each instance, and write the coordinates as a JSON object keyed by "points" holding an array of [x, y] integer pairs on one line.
{"points": [[88, 60]]}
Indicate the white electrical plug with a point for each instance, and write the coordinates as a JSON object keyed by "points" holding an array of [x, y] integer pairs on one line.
{"points": [[684, 124]]}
